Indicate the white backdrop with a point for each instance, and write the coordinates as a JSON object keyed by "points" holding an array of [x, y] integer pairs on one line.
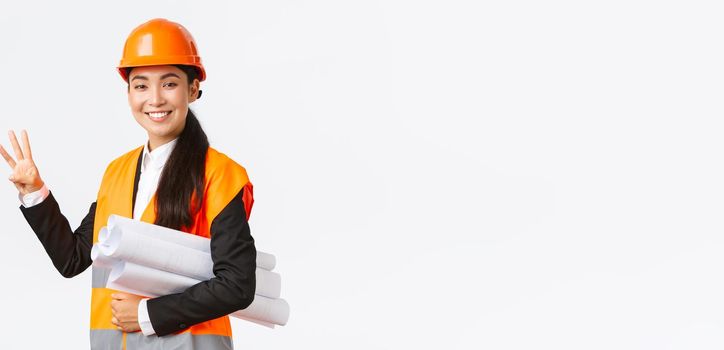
{"points": [[430, 175]]}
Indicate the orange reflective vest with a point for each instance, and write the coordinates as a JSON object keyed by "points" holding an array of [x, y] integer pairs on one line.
{"points": [[224, 179]]}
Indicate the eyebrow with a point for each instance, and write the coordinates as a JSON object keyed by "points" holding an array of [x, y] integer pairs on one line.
{"points": [[167, 75]]}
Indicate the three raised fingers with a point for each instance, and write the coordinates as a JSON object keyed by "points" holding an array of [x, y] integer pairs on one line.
{"points": [[20, 153]]}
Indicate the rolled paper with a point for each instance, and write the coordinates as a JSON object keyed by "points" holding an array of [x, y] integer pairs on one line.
{"points": [[145, 281], [264, 260], [103, 235], [148, 281], [270, 310], [129, 246], [101, 260], [151, 260]]}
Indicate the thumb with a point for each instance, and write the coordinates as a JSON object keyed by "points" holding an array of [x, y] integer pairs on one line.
{"points": [[14, 178], [17, 179]]}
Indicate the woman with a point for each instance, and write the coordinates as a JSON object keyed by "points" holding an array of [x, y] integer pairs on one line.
{"points": [[175, 180]]}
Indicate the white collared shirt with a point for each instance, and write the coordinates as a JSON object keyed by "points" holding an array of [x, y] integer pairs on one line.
{"points": [[151, 168]]}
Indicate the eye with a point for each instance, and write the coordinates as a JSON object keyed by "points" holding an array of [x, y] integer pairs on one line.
{"points": [[139, 87], [169, 84]]}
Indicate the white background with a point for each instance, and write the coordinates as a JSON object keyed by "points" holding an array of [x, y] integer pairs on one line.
{"points": [[430, 175]]}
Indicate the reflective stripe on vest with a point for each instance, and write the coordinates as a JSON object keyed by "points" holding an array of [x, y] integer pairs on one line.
{"points": [[100, 277], [106, 339], [224, 179], [185, 341], [112, 339]]}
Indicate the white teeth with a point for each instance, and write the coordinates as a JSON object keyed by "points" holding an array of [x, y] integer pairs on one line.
{"points": [[158, 114]]}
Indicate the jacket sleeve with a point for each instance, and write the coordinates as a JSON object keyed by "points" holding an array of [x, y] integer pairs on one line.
{"points": [[234, 257], [69, 251]]}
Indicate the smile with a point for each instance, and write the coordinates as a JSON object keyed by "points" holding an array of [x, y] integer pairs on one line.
{"points": [[158, 115]]}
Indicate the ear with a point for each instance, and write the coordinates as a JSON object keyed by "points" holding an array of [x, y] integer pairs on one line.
{"points": [[194, 90]]}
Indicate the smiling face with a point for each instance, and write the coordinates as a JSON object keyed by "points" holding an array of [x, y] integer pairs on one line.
{"points": [[159, 98]]}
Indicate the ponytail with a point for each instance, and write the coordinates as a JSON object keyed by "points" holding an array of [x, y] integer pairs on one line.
{"points": [[181, 187]]}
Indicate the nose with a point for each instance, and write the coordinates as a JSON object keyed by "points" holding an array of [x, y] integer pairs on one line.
{"points": [[156, 99]]}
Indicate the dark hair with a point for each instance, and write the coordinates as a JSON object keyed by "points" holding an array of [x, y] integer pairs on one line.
{"points": [[181, 185]]}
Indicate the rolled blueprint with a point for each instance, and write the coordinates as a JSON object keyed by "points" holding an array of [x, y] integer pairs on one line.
{"points": [[268, 283], [145, 281], [100, 260], [119, 223], [130, 246], [275, 311]]}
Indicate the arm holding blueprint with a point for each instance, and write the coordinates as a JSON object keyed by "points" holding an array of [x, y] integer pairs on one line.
{"points": [[232, 288]]}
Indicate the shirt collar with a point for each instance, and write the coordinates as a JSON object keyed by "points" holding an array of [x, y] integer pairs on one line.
{"points": [[157, 158]]}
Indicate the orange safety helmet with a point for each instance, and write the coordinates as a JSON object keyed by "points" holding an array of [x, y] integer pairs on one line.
{"points": [[160, 42]]}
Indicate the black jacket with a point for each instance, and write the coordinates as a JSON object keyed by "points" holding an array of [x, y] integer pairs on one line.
{"points": [[232, 251]]}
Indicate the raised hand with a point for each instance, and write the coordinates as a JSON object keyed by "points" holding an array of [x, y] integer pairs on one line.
{"points": [[25, 176]]}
